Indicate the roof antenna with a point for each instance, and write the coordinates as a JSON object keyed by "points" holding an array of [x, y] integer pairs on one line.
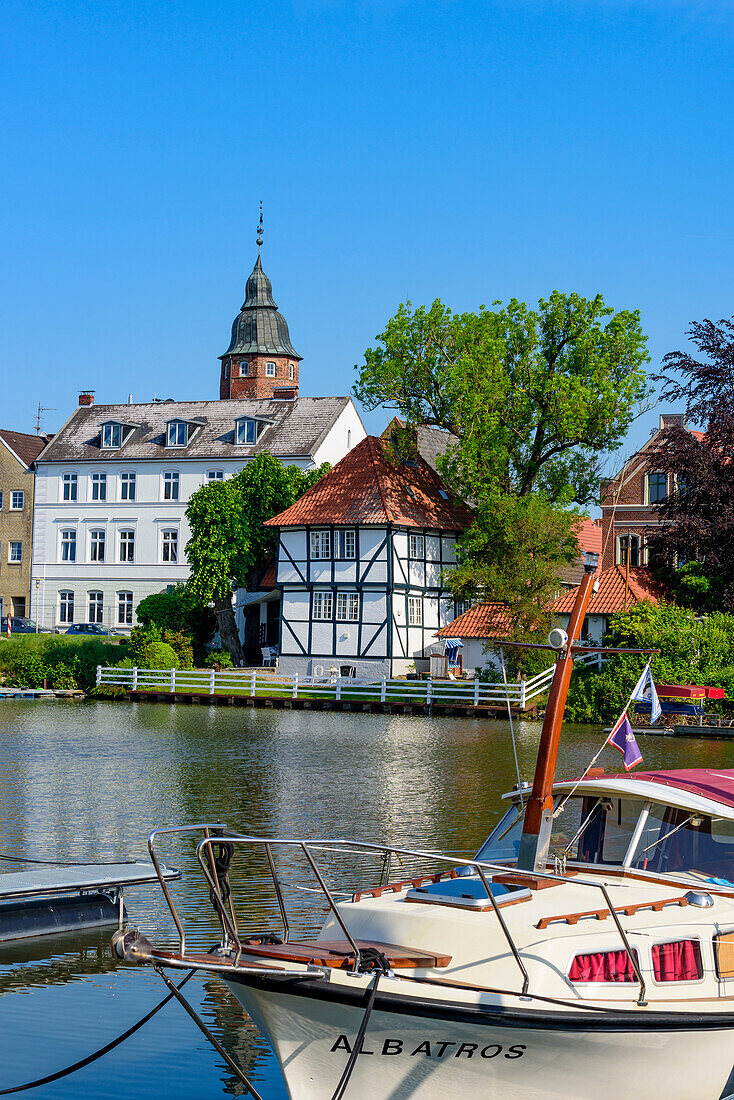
{"points": [[260, 230], [39, 415]]}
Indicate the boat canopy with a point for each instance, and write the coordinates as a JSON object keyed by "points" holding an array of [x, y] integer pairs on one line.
{"points": [[710, 790]]}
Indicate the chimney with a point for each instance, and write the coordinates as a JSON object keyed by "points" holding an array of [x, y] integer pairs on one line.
{"points": [[86, 397]]}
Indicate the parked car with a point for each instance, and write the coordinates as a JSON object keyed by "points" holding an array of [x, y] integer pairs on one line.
{"points": [[93, 628], [19, 625]]}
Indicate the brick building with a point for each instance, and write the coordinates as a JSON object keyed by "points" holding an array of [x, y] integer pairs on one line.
{"points": [[628, 500], [18, 452]]}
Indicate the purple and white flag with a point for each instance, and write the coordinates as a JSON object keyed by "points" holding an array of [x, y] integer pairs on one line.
{"points": [[645, 693], [623, 739]]}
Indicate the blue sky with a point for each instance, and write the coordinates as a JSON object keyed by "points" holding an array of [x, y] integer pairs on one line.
{"points": [[414, 148]]}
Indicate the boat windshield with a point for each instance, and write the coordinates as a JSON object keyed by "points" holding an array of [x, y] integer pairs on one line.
{"points": [[674, 840]]}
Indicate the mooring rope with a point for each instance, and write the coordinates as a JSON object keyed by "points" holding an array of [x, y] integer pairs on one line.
{"points": [[102, 1050]]}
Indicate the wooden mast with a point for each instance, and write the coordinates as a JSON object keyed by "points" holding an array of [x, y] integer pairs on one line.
{"points": [[538, 822]]}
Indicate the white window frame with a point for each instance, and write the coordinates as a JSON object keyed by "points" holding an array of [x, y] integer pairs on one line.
{"points": [[271, 371], [215, 475], [98, 485], [128, 480], [66, 606], [169, 543], [15, 558], [244, 426], [226, 371], [124, 608], [320, 544], [291, 372], [244, 368], [345, 540], [17, 495], [322, 605], [348, 607], [124, 540], [416, 547], [68, 540], [97, 544], [174, 429], [112, 436], [70, 487], [415, 611], [95, 606], [629, 536], [171, 480]]}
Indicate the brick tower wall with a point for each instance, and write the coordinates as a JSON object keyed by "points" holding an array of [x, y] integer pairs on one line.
{"points": [[257, 384]]}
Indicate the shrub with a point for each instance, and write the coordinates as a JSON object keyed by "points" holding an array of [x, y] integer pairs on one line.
{"points": [[157, 655], [178, 610], [218, 659], [181, 644], [29, 671], [64, 677]]}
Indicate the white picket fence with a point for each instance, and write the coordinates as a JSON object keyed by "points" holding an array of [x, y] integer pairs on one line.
{"points": [[255, 682]]}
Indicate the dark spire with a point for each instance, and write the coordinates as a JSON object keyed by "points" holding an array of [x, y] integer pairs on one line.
{"points": [[259, 329]]}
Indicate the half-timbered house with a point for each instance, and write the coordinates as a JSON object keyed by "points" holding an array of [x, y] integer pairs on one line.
{"points": [[360, 565]]}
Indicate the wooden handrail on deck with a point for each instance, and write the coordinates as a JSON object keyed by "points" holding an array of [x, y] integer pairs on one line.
{"points": [[602, 914]]}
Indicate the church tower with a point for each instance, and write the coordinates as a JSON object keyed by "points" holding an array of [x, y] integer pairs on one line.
{"points": [[260, 360]]}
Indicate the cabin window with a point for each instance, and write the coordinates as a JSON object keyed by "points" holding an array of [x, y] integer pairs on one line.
{"points": [[674, 840], [603, 966], [503, 842], [679, 961]]}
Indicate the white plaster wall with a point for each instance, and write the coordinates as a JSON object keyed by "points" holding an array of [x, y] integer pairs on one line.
{"points": [[346, 433]]}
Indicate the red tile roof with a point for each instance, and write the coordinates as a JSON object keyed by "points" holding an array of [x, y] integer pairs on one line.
{"points": [[26, 447], [372, 486], [588, 534], [268, 578], [611, 594], [484, 620]]}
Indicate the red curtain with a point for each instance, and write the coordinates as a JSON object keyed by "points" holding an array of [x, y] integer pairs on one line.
{"points": [[603, 966], [679, 961]]}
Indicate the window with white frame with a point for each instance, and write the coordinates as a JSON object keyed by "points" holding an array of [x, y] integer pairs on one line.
{"points": [[69, 487], [96, 544], [96, 607], [127, 545], [127, 485], [66, 607], [225, 370], [270, 370], [322, 605], [629, 550], [415, 611], [416, 546], [291, 371], [320, 545], [17, 499], [215, 475], [169, 545], [124, 609], [99, 486], [15, 552], [111, 439], [245, 430], [347, 607], [244, 368], [170, 485], [461, 606], [345, 544], [177, 434], [68, 544]]}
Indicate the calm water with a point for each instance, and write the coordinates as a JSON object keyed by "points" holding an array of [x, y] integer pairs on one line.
{"points": [[87, 781]]}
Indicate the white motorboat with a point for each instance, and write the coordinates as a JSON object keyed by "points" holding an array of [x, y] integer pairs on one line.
{"points": [[586, 950]]}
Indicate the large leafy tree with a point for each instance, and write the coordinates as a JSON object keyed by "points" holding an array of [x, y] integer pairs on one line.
{"points": [[229, 545], [694, 545], [531, 399]]}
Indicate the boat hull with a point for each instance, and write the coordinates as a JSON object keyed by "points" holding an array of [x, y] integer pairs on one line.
{"points": [[431, 1050]]}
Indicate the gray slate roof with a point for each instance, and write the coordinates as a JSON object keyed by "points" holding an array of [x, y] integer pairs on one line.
{"points": [[259, 329], [297, 428]]}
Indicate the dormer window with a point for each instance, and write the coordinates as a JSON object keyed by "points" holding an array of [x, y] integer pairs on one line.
{"points": [[247, 430], [178, 433], [111, 436]]}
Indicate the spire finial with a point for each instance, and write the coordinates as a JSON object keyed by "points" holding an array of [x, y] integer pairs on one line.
{"points": [[260, 230]]}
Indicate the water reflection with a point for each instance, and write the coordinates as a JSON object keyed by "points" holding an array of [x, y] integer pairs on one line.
{"points": [[88, 782]]}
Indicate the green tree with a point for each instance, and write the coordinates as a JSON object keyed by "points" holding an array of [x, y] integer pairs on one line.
{"points": [[178, 609], [229, 545], [531, 399]]}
